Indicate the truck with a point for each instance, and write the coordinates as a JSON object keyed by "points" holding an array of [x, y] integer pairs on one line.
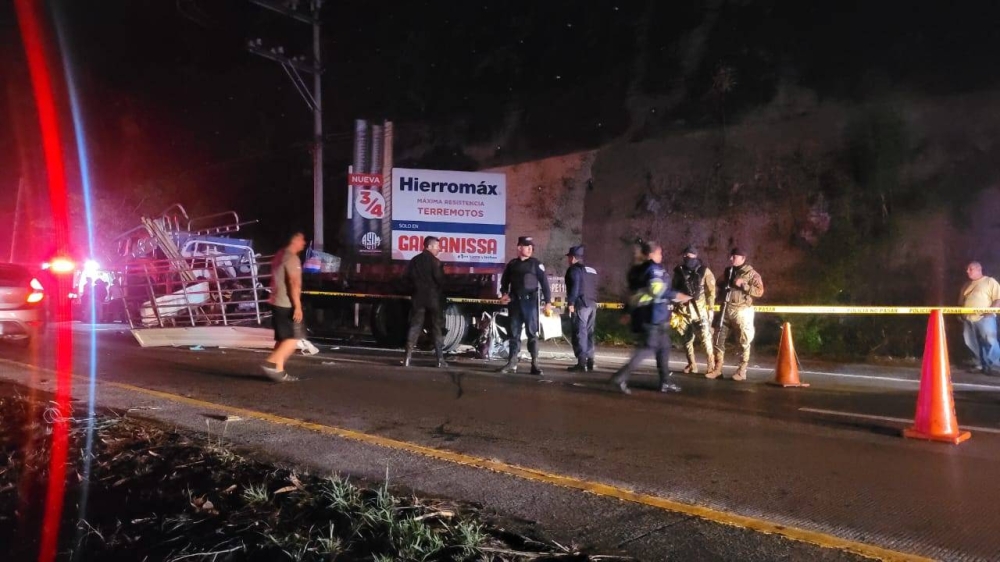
{"points": [[390, 211]]}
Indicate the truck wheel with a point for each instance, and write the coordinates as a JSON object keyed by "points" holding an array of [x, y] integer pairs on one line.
{"points": [[389, 323], [457, 324]]}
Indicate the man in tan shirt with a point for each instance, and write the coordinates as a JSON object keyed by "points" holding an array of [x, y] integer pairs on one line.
{"points": [[286, 307], [980, 330]]}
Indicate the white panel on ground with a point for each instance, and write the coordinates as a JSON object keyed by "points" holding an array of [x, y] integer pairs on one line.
{"points": [[206, 336]]}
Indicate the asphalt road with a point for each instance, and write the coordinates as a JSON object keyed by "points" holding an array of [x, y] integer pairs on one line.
{"points": [[827, 459]]}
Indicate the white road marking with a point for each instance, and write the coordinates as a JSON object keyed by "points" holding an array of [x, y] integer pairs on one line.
{"points": [[887, 418], [673, 364]]}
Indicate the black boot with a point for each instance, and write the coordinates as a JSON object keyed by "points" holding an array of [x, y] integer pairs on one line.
{"points": [[590, 364], [533, 350], [580, 367], [442, 364], [513, 350]]}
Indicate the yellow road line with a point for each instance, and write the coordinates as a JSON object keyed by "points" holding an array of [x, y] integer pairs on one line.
{"points": [[817, 538], [535, 475]]}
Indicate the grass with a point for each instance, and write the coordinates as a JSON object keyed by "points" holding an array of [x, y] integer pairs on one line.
{"points": [[157, 494]]}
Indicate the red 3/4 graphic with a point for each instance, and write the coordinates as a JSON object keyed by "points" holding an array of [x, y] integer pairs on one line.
{"points": [[370, 204]]}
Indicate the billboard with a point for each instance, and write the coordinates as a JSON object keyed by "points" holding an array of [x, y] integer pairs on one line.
{"points": [[466, 210], [368, 204]]}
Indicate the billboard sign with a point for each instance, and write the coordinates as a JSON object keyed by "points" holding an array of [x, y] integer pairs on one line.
{"points": [[466, 210]]}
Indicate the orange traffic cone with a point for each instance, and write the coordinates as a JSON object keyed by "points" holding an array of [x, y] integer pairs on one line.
{"points": [[935, 419], [786, 373]]}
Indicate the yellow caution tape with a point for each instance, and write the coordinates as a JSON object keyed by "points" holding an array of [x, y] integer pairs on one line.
{"points": [[768, 309], [787, 309]]}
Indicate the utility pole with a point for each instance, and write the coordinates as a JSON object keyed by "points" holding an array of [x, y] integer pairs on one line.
{"points": [[292, 67]]}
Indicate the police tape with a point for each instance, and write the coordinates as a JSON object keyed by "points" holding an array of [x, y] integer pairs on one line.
{"points": [[766, 309], [790, 309]]}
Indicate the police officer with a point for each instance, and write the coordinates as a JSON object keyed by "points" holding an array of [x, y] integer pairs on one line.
{"points": [[650, 308], [739, 286], [635, 279], [581, 299], [522, 280], [425, 276], [695, 316]]}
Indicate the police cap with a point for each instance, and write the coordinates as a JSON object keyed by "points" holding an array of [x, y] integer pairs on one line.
{"points": [[575, 251], [690, 250], [525, 241], [737, 252]]}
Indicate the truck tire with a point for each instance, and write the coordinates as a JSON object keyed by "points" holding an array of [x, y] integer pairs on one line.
{"points": [[456, 322], [389, 323]]}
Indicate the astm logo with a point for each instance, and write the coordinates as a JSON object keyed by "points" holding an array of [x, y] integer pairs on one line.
{"points": [[371, 241]]}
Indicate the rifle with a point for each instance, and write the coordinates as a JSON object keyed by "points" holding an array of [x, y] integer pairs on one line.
{"points": [[725, 305], [691, 307]]}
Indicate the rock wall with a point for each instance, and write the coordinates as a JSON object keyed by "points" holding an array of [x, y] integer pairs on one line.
{"points": [[787, 188], [545, 200]]}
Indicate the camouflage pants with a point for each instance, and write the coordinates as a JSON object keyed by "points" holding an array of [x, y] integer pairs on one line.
{"points": [[694, 324], [740, 320]]}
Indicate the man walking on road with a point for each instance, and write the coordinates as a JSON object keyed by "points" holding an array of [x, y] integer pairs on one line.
{"points": [[739, 286], [581, 299], [286, 306], [522, 280], [980, 330], [425, 276], [650, 308], [696, 279]]}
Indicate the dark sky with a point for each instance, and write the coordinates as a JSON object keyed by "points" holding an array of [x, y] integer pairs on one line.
{"points": [[174, 103]]}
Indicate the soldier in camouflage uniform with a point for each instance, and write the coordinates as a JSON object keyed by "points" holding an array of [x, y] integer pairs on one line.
{"points": [[739, 286], [694, 318]]}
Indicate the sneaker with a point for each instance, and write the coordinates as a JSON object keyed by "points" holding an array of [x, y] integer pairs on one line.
{"points": [[269, 369], [508, 369], [283, 376], [669, 387], [536, 371], [442, 364], [623, 387]]}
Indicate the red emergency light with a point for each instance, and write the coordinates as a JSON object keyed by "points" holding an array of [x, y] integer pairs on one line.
{"points": [[60, 265]]}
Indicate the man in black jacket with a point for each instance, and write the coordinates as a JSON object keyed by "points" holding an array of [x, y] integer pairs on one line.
{"points": [[425, 276], [581, 300]]}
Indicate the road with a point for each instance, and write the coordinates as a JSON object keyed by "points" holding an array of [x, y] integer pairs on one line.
{"points": [[827, 461]]}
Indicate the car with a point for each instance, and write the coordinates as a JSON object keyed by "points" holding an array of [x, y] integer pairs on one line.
{"points": [[22, 304]]}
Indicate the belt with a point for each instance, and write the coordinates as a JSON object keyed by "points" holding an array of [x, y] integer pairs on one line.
{"points": [[528, 296]]}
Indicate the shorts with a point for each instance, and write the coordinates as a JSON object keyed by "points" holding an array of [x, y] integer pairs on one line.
{"points": [[284, 327]]}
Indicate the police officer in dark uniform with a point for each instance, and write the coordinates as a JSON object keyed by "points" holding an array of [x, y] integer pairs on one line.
{"points": [[522, 280], [650, 307], [581, 299], [425, 276]]}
